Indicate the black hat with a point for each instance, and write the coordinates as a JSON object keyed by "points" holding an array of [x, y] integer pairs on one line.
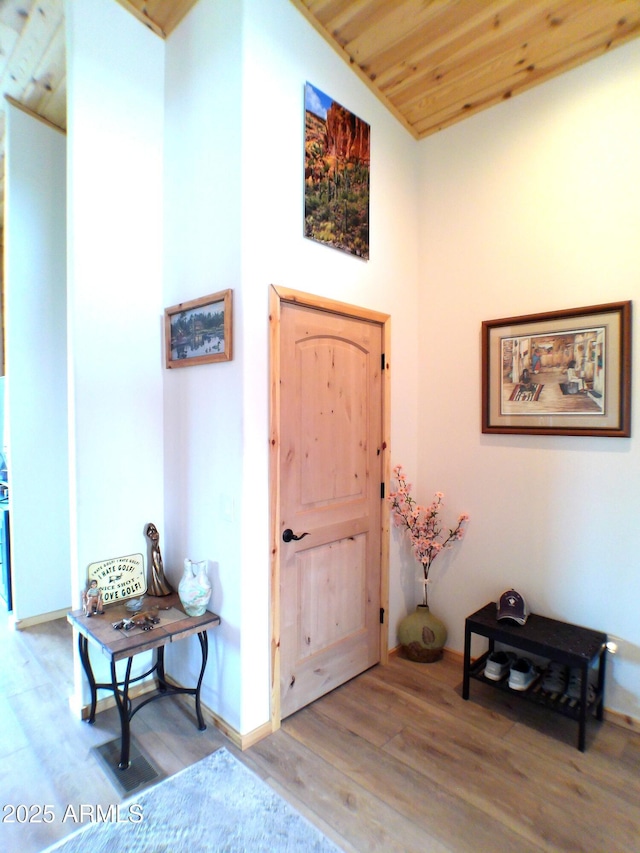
{"points": [[513, 606]]}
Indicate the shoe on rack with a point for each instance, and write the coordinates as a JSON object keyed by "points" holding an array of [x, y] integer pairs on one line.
{"points": [[522, 674], [498, 665], [555, 677], [574, 687]]}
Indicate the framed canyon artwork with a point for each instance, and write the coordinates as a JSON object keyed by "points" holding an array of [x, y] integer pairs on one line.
{"points": [[336, 175]]}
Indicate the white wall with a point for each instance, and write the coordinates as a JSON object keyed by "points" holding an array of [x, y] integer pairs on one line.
{"points": [[527, 207], [534, 206], [115, 82], [203, 404], [282, 52], [35, 323], [217, 415]]}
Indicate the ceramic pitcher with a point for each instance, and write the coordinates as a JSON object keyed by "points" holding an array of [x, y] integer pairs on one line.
{"points": [[195, 587]]}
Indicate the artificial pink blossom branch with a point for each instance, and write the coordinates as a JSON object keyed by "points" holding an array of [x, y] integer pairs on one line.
{"points": [[422, 524]]}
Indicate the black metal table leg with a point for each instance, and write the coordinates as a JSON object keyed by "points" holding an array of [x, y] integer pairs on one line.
{"points": [[123, 705], [204, 645], [162, 684], [83, 648]]}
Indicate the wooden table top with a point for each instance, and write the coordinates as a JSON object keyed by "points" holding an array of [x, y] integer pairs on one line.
{"points": [[118, 643]]}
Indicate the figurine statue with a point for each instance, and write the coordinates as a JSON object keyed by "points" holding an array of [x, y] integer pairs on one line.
{"points": [[92, 599], [157, 584]]}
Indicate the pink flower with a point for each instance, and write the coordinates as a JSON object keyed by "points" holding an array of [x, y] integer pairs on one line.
{"points": [[422, 524]]}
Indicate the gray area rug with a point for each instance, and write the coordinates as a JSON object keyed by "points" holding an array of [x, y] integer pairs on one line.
{"points": [[214, 805]]}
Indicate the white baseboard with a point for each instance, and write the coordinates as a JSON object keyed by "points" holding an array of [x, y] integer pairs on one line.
{"points": [[21, 624]]}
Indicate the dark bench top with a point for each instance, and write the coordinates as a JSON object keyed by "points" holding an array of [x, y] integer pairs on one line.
{"points": [[562, 641]]}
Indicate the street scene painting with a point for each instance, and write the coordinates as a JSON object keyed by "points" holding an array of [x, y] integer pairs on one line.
{"points": [[336, 173], [558, 372], [199, 331], [562, 372]]}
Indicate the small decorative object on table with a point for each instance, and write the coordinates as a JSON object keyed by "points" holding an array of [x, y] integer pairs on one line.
{"points": [[195, 588], [422, 635], [92, 599], [157, 584]]}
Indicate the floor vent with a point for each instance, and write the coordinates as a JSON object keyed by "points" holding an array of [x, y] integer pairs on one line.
{"points": [[140, 774]]}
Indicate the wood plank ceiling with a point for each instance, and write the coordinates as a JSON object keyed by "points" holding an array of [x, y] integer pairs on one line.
{"points": [[431, 62], [436, 62], [32, 64], [32, 55]]}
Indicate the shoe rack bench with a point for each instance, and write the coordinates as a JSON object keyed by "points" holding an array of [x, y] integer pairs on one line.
{"points": [[547, 638]]}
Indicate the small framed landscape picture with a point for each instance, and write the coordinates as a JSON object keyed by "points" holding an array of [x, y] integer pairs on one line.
{"points": [[200, 331], [559, 373]]}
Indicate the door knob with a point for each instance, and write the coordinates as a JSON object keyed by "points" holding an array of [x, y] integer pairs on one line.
{"points": [[288, 535]]}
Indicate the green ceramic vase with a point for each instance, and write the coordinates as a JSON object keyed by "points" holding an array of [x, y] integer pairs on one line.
{"points": [[422, 635]]}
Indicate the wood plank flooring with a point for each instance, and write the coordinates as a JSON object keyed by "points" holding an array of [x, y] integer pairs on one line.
{"points": [[393, 761]]}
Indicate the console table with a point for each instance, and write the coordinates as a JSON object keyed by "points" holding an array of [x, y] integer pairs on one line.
{"points": [[120, 644], [545, 638]]}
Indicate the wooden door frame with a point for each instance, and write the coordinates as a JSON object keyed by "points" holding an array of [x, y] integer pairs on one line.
{"points": [[277, 296]]}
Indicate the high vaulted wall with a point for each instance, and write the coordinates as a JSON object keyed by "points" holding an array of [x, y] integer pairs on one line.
{"points": [[234, 218], [36, 357], [534, 206], [115, 159], [185, 178]]}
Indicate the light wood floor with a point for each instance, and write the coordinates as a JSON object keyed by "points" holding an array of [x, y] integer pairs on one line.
{"points": [[394, 760]]}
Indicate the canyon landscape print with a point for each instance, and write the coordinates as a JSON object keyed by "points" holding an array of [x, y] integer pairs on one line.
{"points": [[336, 207]]}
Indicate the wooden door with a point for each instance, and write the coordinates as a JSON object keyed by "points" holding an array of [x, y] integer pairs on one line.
{"points": [[330, 475]]}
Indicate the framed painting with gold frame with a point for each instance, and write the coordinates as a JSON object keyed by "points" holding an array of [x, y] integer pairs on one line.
{"points": [[199, 331]]}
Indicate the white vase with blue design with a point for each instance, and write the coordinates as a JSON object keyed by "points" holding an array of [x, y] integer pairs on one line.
{"points": [[195, 587]]}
